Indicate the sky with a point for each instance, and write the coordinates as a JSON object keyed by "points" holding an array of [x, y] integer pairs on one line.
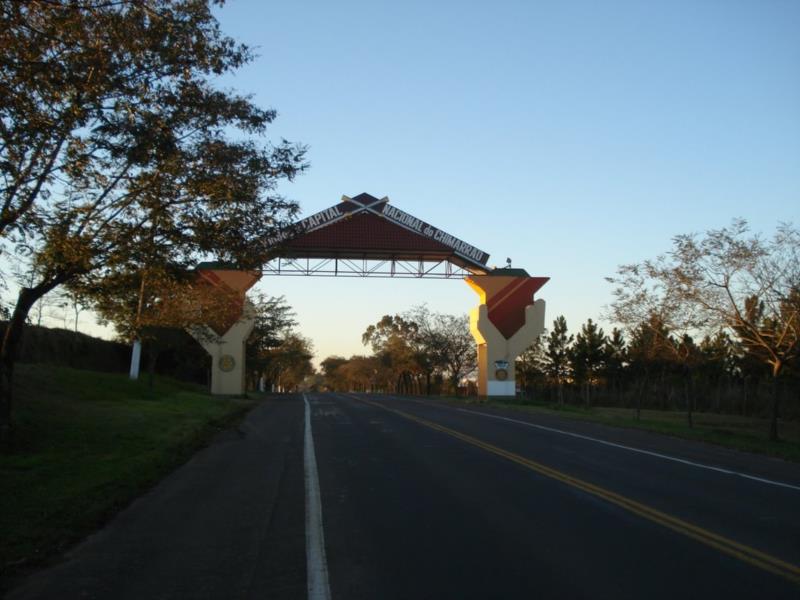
{"points": [[569, 136]]}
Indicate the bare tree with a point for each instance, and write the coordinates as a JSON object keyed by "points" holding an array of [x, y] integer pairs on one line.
{"points": [[725, 280]]}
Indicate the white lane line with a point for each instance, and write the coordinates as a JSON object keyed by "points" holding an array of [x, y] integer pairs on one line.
{"points": [[316, 563], [631, 449]]}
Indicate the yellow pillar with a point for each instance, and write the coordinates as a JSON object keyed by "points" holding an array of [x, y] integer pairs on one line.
{"points": [[504, 325]]}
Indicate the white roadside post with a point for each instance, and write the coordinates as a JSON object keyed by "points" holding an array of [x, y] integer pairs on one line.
{"points": [[136, 355]]}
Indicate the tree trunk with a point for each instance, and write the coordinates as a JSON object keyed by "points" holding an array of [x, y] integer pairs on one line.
{"points": [[640, 395], [9, 351], [773, 421]]}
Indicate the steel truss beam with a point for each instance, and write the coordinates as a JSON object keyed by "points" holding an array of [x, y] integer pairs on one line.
{"points": [[364, 267]]}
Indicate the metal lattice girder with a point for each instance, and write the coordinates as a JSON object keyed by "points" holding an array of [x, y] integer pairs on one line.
{"points": [[364, 267]]}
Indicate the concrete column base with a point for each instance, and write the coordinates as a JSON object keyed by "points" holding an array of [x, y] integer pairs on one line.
{"points": [[496, 354], [227, 353]]}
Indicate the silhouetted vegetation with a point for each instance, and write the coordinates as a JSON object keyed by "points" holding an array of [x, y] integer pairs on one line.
{"points": [[649, 370], [419, 352]]}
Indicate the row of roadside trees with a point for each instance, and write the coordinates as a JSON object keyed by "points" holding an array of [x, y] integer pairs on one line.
{"points": [[653, 368], [714, 324], [417, 352]]}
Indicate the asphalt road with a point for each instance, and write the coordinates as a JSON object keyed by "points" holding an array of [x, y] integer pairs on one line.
{"points": [[424, 500]]}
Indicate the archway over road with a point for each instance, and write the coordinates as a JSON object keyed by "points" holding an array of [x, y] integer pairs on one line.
{"points": [[365, 236]]}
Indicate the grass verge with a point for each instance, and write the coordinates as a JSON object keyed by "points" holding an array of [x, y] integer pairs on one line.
{"points": [[748, 434], [85, 445]]}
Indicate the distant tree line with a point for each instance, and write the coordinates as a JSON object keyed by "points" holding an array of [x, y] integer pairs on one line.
{"points": [[418, 352], [652, 368]]}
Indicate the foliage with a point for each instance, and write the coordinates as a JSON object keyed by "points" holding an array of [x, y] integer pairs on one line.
{"points": [[531, 366], [413, 353], [287, 364], [447, 341], [117, 152], [400, 347], [556, 354], [587, 357], [724, 280]]}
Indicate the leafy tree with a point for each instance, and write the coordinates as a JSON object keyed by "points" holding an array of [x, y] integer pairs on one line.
{"points": [[334, 377], [151, 303], [557, 349], [117, 151], [272, 331], [530, 366], [274, 320], [289, 363], [361, 374], [397, 343], [729, 279], [136, 301], [448, 343]]}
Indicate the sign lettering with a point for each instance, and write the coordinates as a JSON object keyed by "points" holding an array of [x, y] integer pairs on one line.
{"points": [[462, 248]]}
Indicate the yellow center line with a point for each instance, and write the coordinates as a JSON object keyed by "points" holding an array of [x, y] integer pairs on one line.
{"points": [[725, 545]]}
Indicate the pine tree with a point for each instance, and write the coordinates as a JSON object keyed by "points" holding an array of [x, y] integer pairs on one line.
{"points": [[557, 348], [615, 352], [587, 357]]}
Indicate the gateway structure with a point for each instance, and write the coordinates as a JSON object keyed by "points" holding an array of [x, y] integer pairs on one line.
{"points": [[365, 236]]}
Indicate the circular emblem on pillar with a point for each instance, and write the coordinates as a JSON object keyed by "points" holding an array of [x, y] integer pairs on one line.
{"points": [[226, 363], [501, 374]]}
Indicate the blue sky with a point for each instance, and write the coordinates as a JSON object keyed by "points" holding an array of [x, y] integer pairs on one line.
{"points": [[569, 136]]}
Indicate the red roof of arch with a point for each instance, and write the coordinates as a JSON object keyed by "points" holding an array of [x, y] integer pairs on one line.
{"points": [[369, 228]]}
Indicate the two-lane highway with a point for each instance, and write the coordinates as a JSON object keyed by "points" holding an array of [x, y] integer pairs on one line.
{"points": [[427, 500], [351, 496]]}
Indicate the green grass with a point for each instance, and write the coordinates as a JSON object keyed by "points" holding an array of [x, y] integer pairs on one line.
{"points": [[748, 434], [85, 444]]}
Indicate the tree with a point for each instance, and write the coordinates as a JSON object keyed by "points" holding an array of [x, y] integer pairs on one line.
{"points": [[334, 378], [729, 279], [446, 339], [557, 346], [118, 152], [650, 351], [150, 303], [289, 363], [586, 356], [530, 366], [397, 343], [616, 359], [357, 373], [272, 330]]}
